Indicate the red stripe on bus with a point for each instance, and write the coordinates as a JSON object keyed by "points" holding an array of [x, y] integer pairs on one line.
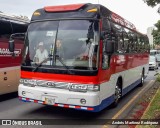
{"points": [[79, 107], [27, 99], [90, 109], [35, 101], [66, 106], [60, 77], [55, 105]]}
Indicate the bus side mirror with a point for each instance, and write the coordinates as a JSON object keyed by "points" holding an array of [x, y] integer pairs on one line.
{"points": [[19, 36], [11, 45], [109, 46]]}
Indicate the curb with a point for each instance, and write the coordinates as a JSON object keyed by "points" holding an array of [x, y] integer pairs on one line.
{"points": [[138, 114], [148, 105]]}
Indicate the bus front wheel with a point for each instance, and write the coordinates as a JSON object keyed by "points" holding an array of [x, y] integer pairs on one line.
{"points": [[117, 94]]}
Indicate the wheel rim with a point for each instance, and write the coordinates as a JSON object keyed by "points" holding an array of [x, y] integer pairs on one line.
{"points": [[142, 79], [117, 95]]}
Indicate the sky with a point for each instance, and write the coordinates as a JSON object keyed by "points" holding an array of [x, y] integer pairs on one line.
{"points": [[135, 11]]}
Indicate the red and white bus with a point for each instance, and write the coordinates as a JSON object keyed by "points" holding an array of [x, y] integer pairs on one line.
{"points": [[102, 57], [10, 66]]}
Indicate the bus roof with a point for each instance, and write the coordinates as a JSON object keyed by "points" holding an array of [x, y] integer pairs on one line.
{"points": [[74, 11], [13, 18]]}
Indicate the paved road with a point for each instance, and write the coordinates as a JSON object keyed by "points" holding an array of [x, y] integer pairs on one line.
{"points": [[12, 108]]}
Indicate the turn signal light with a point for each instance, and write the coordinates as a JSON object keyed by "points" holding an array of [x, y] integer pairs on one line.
{"points": [[93, 10]]}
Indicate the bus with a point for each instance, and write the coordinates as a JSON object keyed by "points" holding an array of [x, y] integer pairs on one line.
{"points": [[9, 65], [102, 57]]}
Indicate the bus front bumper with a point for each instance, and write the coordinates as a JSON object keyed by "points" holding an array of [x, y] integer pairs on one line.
{"points": [[88, 101]]}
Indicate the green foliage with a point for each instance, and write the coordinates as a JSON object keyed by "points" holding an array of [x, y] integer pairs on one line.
{"points": [[152, 3], [157, 25], [158, 78], [156, 33]]}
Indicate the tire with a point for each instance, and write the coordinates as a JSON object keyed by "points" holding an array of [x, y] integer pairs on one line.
{"points": [[117, 95], [142, 79]]}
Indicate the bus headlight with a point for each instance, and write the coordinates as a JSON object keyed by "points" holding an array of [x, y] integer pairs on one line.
{"points": [[21, 81], [28, 82], [84, 88], [93, 88], [78, 88]]}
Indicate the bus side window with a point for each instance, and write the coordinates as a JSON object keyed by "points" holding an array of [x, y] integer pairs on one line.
{"points": [[5, 30], [130, 45], [134, 43], [138, 44], [147, 47], [106, 30], [118, 38], [120, 48], [125, 41], [142, 43]]}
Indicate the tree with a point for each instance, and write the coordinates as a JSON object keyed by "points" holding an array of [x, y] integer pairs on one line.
{"points": [[156, 33], [152, 3]]}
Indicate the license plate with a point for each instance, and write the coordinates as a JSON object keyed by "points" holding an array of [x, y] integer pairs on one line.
{"points": [[50, 101]]}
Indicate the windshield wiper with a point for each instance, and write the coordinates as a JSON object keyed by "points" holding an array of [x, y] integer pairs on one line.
{"points": [[40, 64], [49, 57], [60, 60]]}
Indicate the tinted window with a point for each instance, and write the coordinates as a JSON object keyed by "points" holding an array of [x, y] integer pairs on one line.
{"points": [[5, 29]]}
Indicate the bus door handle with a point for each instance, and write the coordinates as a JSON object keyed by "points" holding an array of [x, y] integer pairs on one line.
{"points": [[5, 78]]}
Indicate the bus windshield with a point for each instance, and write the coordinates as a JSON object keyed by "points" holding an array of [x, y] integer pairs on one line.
{"points": [[74, 42]]}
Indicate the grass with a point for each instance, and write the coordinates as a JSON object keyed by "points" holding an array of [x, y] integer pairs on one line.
{"points": [[158, 77]]}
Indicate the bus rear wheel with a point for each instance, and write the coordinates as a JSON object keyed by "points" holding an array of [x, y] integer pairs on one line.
{"points": [[117, 94], [142, 79]]}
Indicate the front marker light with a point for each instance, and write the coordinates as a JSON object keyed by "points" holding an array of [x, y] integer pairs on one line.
{"points": [[23, 93], [82, 101], [21, 81]]}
